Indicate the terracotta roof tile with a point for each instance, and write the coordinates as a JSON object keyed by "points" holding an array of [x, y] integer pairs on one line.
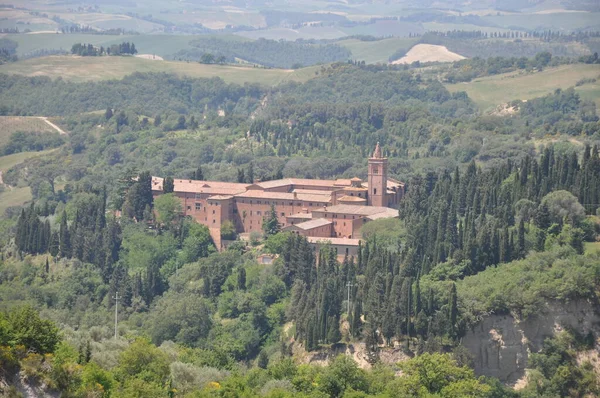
{"points": [[285, 196], [301, 215], [195, 186], [316, 223], [348, 198], [356, 209]]}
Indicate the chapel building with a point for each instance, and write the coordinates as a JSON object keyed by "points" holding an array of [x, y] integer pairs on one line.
{"points": [[331, 211]]}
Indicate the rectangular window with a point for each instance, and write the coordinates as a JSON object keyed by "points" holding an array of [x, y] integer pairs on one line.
{"points": [[213, 212], [189, 207], [197, 196], [282, 214], [258, 213], [198, 206]]}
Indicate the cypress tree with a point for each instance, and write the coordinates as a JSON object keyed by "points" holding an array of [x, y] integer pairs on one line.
{"points": [[241, 278], [168, 185], [453, 315], [200, 175], [521, 240], [355, 326], [64, 237]]}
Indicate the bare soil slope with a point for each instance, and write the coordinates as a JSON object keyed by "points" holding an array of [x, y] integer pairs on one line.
{"points": [[428, 53]]}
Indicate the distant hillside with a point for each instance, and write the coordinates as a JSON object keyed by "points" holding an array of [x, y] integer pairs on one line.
{"points": [[266, 52]]}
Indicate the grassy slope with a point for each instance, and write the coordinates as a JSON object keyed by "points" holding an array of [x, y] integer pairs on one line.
{"points": [[102, 68], [15, 196], [495, 90], [13, 124], [8, 161], [376, 51], [592, 247], [163, 45], [555, 21]]}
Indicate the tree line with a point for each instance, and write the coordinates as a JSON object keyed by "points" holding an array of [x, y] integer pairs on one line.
{"points": [[89, 50], [476, 219]]}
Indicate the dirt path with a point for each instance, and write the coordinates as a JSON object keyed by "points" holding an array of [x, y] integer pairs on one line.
{"points": [[54, 126]]}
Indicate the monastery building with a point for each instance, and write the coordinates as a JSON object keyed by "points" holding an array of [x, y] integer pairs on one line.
{"points": [[331, 211]]}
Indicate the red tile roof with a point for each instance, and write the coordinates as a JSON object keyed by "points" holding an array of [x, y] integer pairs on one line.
{"points": [[312, 224], [334, 241]]}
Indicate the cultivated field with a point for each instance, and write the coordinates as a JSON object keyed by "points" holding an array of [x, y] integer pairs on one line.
{"points": [[496, 90], [13, 124], [104, 68], [428, 53], [14, 197], [162, 45], [563, 21], [373, 52]]}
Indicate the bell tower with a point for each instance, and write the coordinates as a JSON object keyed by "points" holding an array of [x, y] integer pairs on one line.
{"points": [[378, 168]]}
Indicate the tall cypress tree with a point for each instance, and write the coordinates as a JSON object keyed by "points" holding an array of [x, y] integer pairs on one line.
{"points": [[64, 237]]}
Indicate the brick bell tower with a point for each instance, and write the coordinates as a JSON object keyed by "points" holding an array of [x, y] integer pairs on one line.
{"points": [[378, 168]]}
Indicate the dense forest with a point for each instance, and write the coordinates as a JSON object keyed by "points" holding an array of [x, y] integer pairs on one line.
{"points": [[499, 217]]}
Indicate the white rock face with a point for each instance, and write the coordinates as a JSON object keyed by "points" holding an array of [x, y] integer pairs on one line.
{"points": [[501, 344]]}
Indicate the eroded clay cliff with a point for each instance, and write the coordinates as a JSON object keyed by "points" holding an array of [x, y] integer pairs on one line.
{"points": [[501, 344]]}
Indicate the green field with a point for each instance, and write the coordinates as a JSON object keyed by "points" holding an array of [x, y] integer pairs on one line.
{"points": [[13, 124], [8, 161], [445, 27], [163, 45], [592, 247], [14, 197], [496, 90], [373, 52], [103, 68], [563, 21]]}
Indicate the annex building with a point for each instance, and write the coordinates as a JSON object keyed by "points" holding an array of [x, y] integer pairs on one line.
{"points": [[322, 210]]}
